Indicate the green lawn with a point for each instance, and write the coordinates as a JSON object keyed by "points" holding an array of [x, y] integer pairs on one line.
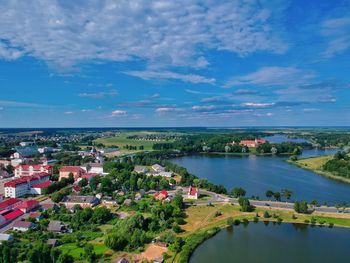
{"points": [[121, 140]]}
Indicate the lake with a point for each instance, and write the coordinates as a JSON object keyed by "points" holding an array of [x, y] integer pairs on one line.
{"points": [[287, 243], [257, 174]]}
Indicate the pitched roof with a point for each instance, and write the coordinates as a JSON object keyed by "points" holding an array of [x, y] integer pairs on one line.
{"points": [[89, 175], [35, 215], [71, 169], [14, 214], [42, 185], [26, 167], [8, 202], [55, 226], [25, 179], [163, 192], [79, 199], [28, 204], [23, 224], [193, 190]]}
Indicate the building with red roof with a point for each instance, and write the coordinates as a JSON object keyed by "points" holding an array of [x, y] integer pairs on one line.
{"points": [[22, 186], [252, 143], [9, 203], [13, 215], [28, 205], [22, 225], [28, 169], [37, 189], [192, 193], [161, 195], [76, 171]]}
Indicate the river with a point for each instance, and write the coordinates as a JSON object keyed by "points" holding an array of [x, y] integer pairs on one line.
{"points": [[257, 174], [286, 243]]}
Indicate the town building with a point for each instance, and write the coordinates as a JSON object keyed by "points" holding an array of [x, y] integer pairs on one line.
{"points": [[55, 226], [37, 189], [37, 216], [9, 204], [76, 171], [23, 226], [83, 201], [28, 205], [28, 170], [161, 195], [158, 168], [93, 168], [13, 215], [192, 193], [22, 186], [252, 143]]}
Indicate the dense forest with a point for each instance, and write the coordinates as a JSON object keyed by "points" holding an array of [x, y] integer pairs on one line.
{"points": [[340, 165]]}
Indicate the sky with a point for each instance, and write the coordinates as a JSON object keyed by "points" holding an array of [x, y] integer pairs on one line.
{"points": [[104, 63]]}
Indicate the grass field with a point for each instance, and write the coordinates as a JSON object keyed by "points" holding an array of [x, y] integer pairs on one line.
{"points": [[122, 140], [315, 164]]}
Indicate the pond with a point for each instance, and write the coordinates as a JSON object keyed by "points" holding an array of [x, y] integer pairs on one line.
{"points": [[288, 243], [257, 174]]}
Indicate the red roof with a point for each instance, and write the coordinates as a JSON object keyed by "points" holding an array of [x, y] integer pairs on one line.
{"points": [[25, 179], [193, 190], [26, 167], [13, 215], [71, 169], [28, 204], [23, 224], [42, 185], [35, 215], [76, 188], [89, 175], [8, 202], [163, 192]]}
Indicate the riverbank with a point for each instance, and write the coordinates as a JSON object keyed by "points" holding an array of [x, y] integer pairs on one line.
{"points": [[202, 222], [315, 164]]}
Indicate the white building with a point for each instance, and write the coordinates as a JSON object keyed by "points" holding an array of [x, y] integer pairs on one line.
{"points": [[192, 193], [22, 186], [166, 174], [28, 170], [158, 168]]}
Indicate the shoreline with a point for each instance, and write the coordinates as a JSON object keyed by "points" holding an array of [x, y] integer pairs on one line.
{"points": [[319, 172]]}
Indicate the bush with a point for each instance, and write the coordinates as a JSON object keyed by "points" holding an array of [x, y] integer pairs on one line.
{"points": [[266, 214]]}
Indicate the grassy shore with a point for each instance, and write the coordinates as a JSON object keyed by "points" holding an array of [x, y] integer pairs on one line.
{"points": [[202, 222], [315, 164]]}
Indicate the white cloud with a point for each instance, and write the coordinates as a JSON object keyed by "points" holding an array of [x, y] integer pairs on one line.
{"points": [[8, 103], [69, 112], [257, 105], [118, 113], [273, 76], [99, 95], [163, 110], [149, 74], [65, 33], [311, 110], [337, 31]]}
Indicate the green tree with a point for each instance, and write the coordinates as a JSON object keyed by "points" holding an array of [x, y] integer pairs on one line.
{"points": [[238, 192], [269, 193], [245, 204], [301, 207]]}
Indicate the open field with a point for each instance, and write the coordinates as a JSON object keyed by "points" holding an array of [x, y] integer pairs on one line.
{"points": [[315, 164], [121, 140]]}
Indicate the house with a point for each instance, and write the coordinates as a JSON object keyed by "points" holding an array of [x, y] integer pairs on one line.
{"points": [[55, 226], [166, 174], [13, 215], [28, 205], [52, 242], [192, 193], [37, 189], [23, 226], [93, 168], [88, 176], [28, 170], [47, 206], [161, 195], [83, 201], [22, 186], [9, 204], [5, 237], [37, 216], [252, 143], [76, 171], [158, 168], [76, 188], [140, 169], [109, 202]]}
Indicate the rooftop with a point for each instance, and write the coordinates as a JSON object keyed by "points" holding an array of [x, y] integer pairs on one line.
{"points": [[23, 224], [8, 202], [42, 185]]}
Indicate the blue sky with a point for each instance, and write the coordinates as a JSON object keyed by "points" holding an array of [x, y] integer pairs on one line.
{"points": [[174, 63]]}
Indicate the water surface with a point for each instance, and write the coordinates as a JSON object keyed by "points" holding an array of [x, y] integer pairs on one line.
{"points": [[285, 243], [257, 174]]}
